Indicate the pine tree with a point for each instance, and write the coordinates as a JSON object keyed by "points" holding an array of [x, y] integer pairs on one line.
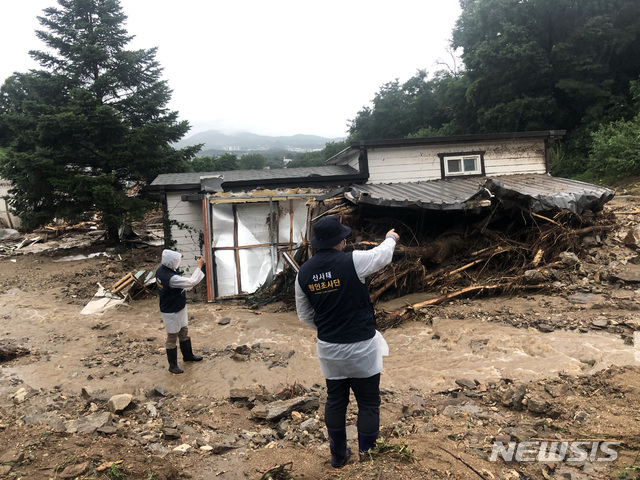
{"points": [[91, 125]]}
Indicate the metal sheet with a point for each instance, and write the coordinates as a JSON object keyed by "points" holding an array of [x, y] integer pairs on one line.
{"points": [[538, 192]]}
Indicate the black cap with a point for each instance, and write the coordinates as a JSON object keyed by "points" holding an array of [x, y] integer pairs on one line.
{"points": [[328, 232]]}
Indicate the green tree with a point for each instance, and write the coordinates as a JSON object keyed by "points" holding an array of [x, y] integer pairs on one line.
{"points": [[252, 161], [91, 124], [318, 158], [615, 150], [542, 64], [225, 162]]}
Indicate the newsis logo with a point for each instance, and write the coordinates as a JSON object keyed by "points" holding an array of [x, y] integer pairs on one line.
{"points": [[555, 451]]}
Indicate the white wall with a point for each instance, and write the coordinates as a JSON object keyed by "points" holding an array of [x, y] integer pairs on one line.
{"points": [[421, 163], [10, 220], [186, 229]]}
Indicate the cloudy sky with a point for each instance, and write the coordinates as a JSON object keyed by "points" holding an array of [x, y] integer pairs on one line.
{"points": [[274, 67]]}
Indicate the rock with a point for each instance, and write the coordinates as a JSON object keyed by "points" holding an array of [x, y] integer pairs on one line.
{"points": [[73, 471], [23, 394], [523, 434], [581, 298], [181, 449], [88, 424], [628, 273], [107, 430], [414, 406], [600, 323], [9, 352], [54, 421], [556, 389], [158, 449], [171, 433], [514, 396], [91, 394], [533, 277], [464, 383], [580, 416], [504, 439], [158, 391], [254, 391], [537, 405], [224, 321], [151, 409], [169, 422], [309, 425], [545, 328], [11, 456], [569, 259], [6, 233], [280, 408], [190, 434], [242, 349], [118, 403]]}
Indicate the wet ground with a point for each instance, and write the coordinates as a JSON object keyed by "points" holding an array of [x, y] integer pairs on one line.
{"points": [[494, 342]]}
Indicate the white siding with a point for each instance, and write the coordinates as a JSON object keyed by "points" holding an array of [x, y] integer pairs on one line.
{"points": [[8, 218], [421, 163], [186, 229]]}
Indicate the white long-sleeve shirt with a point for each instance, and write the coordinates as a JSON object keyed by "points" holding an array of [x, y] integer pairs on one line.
{"points": [[360, 359], [173, 322]]}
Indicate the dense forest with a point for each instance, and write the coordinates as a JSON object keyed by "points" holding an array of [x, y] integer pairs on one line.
{"points": [[529, 65], [93, 124]]}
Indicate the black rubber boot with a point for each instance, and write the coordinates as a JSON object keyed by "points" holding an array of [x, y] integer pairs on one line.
{"points": [[366, 441], [340, 451], [187, 353], [172, 356]]}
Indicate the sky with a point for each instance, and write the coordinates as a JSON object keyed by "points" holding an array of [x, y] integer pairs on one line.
{"points": [[270, 67]]}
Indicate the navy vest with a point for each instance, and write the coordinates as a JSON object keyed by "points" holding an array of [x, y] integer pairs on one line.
{"points": [[343, 309], [172, 300]]}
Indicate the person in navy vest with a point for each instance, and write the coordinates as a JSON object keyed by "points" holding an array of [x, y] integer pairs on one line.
{"points": [[331, 296], [173, 307]]}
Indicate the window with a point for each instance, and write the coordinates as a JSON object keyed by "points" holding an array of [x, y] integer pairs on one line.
{"points": [[461, 164]]}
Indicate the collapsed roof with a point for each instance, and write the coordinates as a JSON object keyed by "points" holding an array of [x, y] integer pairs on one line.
{"points": [[533, 191]]}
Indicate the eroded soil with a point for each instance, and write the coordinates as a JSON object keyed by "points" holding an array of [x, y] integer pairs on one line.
{"points": [[558, 365]]}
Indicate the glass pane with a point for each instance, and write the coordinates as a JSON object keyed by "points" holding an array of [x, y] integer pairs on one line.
{"points": [[454, 165], [470, 164]]}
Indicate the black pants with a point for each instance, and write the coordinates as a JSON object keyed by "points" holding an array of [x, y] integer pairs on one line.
{"points": [[367, 393]]}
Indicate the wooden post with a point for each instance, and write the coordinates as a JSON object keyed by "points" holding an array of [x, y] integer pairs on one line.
{"points": [[235, 244]]}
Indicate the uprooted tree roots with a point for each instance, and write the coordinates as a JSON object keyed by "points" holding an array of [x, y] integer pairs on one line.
{"points": [[507, 250]]}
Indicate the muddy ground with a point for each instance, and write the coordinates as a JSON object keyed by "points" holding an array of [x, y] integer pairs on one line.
{"points": [[555, 365]]}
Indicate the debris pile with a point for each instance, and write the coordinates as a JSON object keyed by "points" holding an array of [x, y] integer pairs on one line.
{"points": [[451, 255]]}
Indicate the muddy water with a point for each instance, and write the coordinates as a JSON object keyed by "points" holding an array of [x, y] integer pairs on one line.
{"points": [[426, 357], [433, 357]]}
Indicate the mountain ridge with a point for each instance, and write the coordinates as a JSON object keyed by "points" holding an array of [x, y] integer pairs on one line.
{"points": [[247, 141]]}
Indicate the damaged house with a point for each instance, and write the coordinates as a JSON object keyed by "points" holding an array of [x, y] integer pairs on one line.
{"points": [[249, 225]]}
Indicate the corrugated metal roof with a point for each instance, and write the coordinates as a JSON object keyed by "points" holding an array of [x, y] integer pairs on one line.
{"points": [[545, 192], [432, 195], [191, 179], [541, 192]]}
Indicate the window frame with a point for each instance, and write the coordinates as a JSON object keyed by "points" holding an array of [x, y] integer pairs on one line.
{"points": [[444, 165]]}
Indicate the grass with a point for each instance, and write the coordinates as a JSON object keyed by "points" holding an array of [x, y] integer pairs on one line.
{"points": [[114, 472], [383, 448]]}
